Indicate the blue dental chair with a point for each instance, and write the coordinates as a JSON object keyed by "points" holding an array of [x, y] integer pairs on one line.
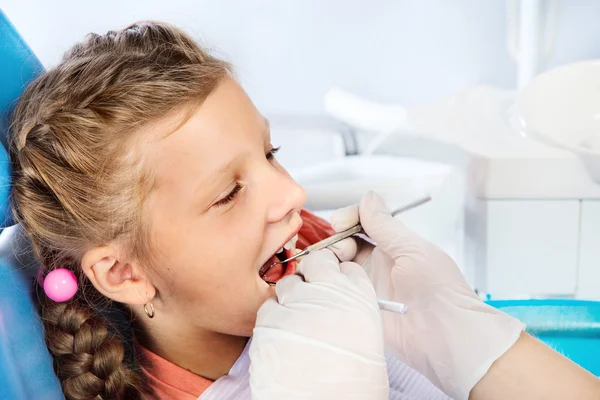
{"points": [[572, 327], [25, 365]]}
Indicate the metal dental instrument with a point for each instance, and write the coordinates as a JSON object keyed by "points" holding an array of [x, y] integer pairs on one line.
{"points": [[356, 229], [392, 306]]}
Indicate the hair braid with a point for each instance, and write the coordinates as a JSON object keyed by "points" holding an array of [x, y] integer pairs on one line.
{"points": [[88, 357]]}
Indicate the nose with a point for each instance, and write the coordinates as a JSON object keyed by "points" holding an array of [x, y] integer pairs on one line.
{"points": [[285, 196]]}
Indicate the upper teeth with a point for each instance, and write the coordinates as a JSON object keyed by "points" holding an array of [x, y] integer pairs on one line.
{"points": [[291, 244], [280, 250]]}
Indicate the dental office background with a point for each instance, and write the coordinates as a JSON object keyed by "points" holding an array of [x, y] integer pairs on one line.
{"points": [[408, 98]]}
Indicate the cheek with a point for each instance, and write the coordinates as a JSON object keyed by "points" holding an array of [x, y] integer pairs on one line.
{"points": [[215, 280], [221, 302], [216, 250], [209, 272]]}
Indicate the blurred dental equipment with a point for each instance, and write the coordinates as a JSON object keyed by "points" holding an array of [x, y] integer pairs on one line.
{"points": [[531, 32], [531, 165], [362, 113], [366, 115], [561, 108]]}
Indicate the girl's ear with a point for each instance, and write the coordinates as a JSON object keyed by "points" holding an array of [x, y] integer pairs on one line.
{"points": [[117, 278]]}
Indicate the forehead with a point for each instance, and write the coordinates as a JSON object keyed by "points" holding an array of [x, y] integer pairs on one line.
{"points": [[224, 125]]}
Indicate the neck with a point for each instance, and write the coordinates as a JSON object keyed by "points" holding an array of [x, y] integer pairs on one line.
{"points": [[206, 353]]}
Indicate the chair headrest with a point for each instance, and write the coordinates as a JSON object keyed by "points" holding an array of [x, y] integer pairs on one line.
{"points": [[18, 67]]}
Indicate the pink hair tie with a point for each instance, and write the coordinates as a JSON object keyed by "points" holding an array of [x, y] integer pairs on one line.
{"points": [[60, 285]]}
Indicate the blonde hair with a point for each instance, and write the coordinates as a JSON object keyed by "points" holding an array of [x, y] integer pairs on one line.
{"points": [[76, 184]]}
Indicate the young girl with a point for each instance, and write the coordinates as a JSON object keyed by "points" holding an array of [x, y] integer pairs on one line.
{"points": [[143, 168]]}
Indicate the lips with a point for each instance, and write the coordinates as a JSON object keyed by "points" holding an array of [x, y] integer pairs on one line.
{"points": [[275, 273]]}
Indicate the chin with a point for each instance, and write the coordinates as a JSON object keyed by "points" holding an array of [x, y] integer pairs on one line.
{"points": [[267, 293], [245, 330]]}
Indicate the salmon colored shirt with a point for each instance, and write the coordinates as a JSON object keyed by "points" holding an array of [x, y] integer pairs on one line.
{"points": [[170, 381]]}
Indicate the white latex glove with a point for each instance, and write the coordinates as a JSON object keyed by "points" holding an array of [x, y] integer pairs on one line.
{"points": [[321, 338], [448, 334]]}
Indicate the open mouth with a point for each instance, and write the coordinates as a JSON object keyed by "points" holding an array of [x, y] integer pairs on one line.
{"points": [[278, 271]]}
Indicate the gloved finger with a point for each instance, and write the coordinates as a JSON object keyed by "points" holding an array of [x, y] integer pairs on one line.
{"points": [[268, 311], [345, 249], [358, 276], [287, 289], [320, 266], [379, 271], [390, 234], [345, 218]]}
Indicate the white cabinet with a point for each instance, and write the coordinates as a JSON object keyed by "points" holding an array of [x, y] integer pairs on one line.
{"points": [[588, 282], [532, 248]]}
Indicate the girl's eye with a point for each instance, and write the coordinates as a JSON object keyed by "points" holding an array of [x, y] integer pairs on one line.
{"points": [[271, 153], [230, 197], [236, 189]]}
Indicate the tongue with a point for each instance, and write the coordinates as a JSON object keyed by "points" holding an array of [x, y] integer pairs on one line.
{"points": [[274, 259], [277, 272]]}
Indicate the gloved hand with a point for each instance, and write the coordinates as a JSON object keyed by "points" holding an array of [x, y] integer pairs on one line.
{"points": [[321, 337], [448, 334]]}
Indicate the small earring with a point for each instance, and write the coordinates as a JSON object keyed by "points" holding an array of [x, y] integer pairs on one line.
{"points": [[149, 313]]}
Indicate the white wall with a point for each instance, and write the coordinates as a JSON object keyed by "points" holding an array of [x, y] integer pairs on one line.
{"points": [[288, 53]]}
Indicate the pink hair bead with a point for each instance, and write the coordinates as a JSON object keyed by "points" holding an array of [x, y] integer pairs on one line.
{"points": [[60, 285]]}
